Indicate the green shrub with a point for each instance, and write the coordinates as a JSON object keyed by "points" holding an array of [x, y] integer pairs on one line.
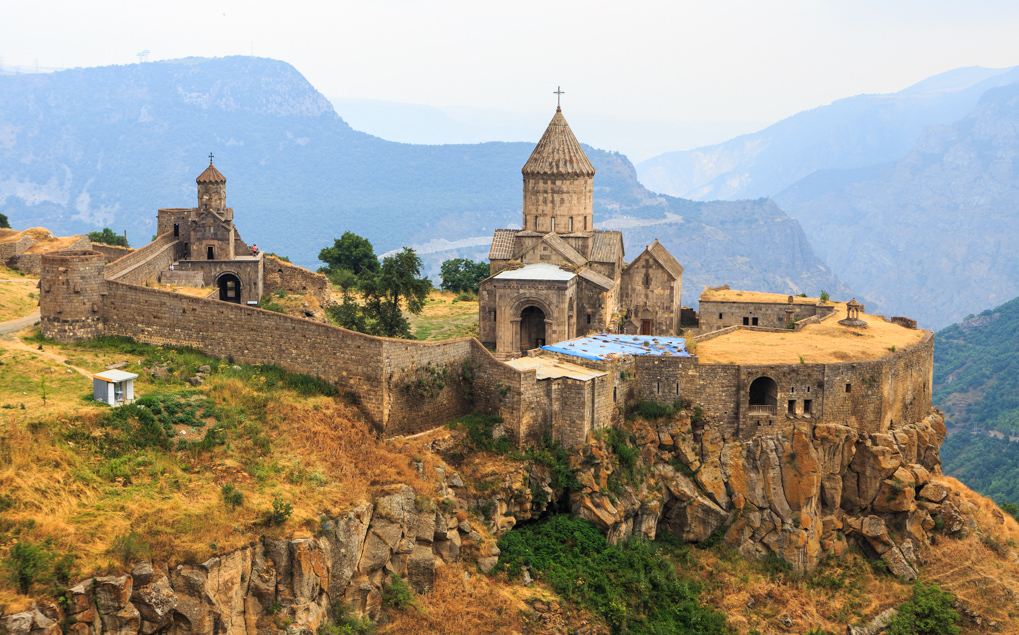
{"points": [[280, 513], [633, 586], [398, 594], [554, 456], [232, 496], [25, 563], [480, 429], [930, 612]]}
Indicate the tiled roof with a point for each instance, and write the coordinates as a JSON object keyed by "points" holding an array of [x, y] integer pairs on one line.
{"points": [[211, 175], [606, 246], [665, 259], [558, 152], [502, 244], [596, 278], [553, 240]]}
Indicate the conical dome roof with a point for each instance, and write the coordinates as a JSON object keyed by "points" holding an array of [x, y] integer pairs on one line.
{"points": [[211, 175], [558, 152]]}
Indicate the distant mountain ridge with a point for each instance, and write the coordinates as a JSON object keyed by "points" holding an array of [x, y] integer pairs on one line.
{"points": [[86, 148], [934, 235], [849, 133]]}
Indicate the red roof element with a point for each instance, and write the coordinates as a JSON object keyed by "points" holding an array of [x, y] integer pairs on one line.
{"points": [[211, 175], [558, 152]]}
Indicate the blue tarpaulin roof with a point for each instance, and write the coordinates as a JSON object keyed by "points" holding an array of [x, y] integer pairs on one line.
{"points": [[600, 346]]}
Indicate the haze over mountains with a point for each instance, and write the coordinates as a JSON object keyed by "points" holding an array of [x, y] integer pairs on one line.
{"points": [[87, 148], [854, 132], [911, 198]]}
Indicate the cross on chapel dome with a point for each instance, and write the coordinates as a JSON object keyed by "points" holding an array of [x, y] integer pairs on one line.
{"points": [[211, 174]]}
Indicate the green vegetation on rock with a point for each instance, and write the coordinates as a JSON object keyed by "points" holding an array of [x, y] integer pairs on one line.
{"points": [[634, 586]]}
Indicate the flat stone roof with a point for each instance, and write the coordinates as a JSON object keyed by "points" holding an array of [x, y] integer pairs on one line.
{"points": [[604, 346], [735, 295], [537, 271], [827, 342], [549, 368]]}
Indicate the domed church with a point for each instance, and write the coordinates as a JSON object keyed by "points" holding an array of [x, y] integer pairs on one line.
{"points": [[559, 277]]}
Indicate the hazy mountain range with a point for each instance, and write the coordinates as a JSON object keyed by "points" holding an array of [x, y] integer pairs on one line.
{"points": [[911, 198], [87, 148], [854, 132]]}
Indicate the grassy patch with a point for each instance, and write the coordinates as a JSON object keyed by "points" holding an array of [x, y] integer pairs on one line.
{"points": [[445, 316]]}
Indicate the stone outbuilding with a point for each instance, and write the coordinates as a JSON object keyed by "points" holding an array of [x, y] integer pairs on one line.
{"points": [[559, 277], [212, 252]]}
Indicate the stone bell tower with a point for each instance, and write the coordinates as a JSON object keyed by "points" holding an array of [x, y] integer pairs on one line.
{"points": [[558, 183], [212, 191]]}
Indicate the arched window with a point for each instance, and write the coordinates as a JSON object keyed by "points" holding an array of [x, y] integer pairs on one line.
{"points": [[763, 396]]}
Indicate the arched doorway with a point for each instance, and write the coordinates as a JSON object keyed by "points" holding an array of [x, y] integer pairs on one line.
{"points": [[532, 328], [229, 288], [763, 396]]}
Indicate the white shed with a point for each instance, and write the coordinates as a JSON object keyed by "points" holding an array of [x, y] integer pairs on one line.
{"points": [[115, 387]]}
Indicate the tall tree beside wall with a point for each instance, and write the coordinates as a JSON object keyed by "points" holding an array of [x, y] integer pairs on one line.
{"points": [[397, 286]]}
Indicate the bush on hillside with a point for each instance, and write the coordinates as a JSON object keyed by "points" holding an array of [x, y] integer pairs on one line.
{"points": [[930, 612], [634, 586]]}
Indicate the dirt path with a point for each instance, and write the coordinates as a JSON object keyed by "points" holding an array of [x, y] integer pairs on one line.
{"points": [[12, 342], [15, 325]]}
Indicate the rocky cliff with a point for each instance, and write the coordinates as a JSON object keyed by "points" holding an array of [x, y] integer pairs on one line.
{"points": [[278, 585]]}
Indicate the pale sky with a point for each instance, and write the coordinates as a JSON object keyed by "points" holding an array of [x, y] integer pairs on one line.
{"points": [[676, 61]]}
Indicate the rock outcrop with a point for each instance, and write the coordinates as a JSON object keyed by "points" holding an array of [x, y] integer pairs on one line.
{"points": [[277, 585]]}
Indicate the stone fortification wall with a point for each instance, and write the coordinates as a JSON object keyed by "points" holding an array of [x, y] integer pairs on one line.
{"points": [[352, 361], [112, 252], [11, 249], [139, 256], [183, 278], [32, 262], [871, 396], [293, 279], [156, 262], [70, 298], [248, 272], [383, 373]]}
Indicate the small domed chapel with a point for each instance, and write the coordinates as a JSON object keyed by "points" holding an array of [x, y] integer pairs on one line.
{"points": [[559, 277]]}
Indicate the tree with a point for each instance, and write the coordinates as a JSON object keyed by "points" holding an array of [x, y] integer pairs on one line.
{"points": [[107, 237], [350, 252], [397, 286], [4, 223], [461, 275]]}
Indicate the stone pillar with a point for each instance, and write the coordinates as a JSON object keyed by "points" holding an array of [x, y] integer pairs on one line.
{"points": [[71, 285]]}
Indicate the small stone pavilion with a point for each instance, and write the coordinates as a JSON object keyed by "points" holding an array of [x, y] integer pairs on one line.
{"points": [[559, 277]]}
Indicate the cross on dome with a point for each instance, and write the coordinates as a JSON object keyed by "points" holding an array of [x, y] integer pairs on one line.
{"points": [[558, 92]]}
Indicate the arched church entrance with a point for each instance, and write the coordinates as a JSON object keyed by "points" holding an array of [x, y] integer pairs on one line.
{"points": [[763, 396], [532, 328], [229, 288]]}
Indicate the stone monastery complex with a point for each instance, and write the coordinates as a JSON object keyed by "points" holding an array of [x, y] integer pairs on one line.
{"points": [[578, 333], [806, 420]]}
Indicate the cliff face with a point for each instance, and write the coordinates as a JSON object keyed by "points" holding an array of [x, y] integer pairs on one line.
{"points": [[799, 493], [277, 585], [933, 235]]}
